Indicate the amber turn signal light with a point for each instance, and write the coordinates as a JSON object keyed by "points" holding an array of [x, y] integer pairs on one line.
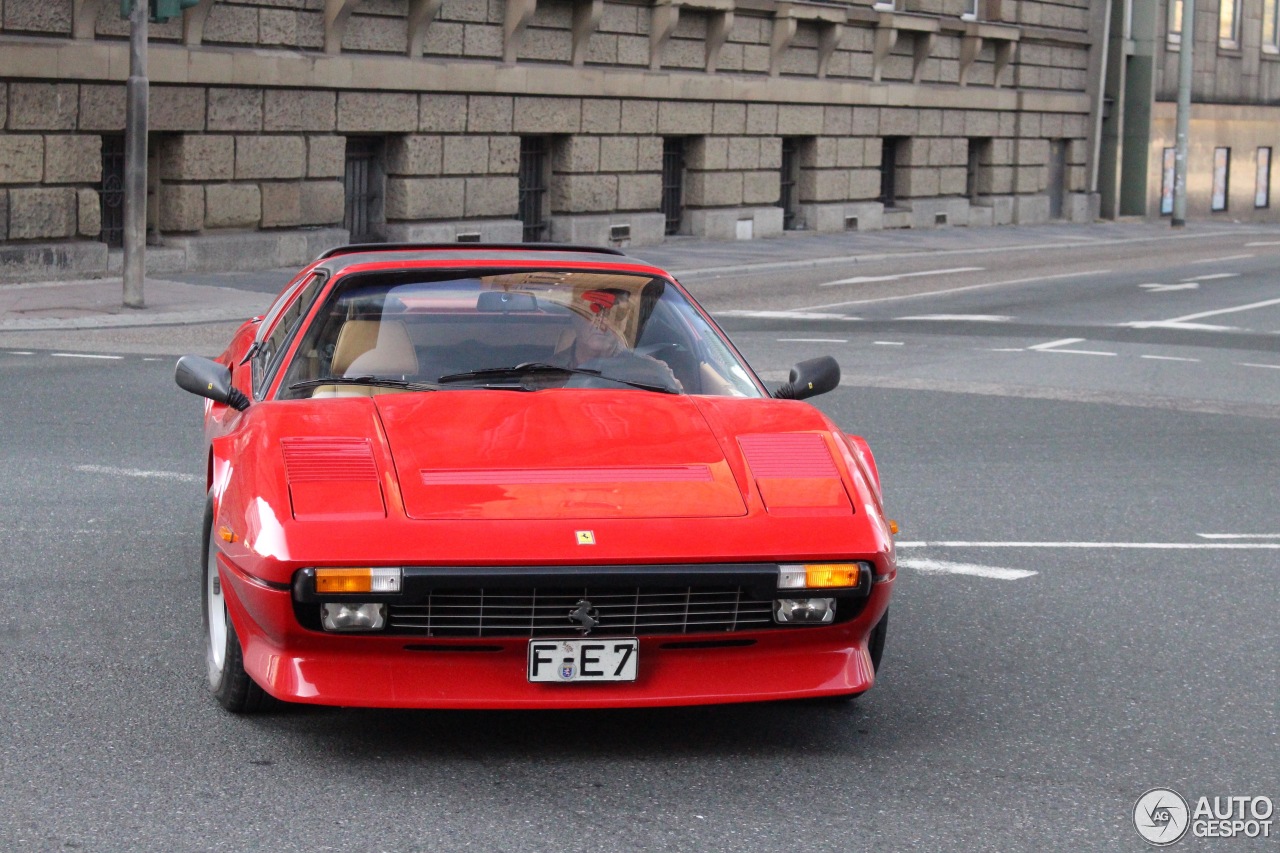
{"points": [[357, 580]]}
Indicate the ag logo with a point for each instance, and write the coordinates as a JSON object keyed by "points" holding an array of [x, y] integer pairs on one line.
{"points": [[1161, 816]]}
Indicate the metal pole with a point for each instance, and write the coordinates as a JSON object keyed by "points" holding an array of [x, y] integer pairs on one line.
{"points": [[1187, 39], [135, 159]]}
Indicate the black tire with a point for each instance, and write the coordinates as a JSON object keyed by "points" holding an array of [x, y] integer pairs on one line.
{"points": [[234, 689], [875, 647], [875, 642]]}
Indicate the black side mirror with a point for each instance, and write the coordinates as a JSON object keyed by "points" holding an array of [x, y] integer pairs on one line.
{"points": [[205, 377], [810, 378]]}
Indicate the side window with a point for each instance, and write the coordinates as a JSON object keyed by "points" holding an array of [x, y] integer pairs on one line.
{"points": [[267, 356]]}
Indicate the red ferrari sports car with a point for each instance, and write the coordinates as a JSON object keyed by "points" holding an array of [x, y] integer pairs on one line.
{"points": [[524, 476]]}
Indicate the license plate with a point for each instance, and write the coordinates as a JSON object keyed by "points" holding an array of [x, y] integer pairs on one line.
{"points": [[583, 660]]}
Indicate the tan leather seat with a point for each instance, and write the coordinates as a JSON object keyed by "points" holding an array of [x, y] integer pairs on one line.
{"points": [[370, 348]]}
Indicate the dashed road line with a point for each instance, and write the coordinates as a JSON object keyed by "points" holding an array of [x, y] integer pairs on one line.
{"points": [[1239, 535], [1227, 258], [1166, 288], [1057, 346], [1249, 364], [921, 564], [951, 290], [813, 340], [889, 343], [85, 355], [134, 472], [1215, 275], [1170, 358], [964, 318], [867, 279], [1266, 303]]}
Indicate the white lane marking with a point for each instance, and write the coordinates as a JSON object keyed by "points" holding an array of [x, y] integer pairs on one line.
{"points": [[1165, 288], [951, 290], [1170, 358], [1056, 346], [134, 472], [1169, 324], [1239, 535], [1268, 366], [1268, 243], [968, 318], [813, 340], [783, 315], [1227, 258], [1266, 303], [1216, 275], [1132, 546], [867, 279], [85, 355], [889, 343], [1052, 344], [921, 564], [1006, 349], [19, 352]]}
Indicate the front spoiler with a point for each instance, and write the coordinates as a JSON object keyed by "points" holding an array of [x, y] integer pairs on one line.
{"points": [[297, 665]]}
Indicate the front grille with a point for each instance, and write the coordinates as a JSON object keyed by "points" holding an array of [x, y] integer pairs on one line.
{"points": [[546, 612]]}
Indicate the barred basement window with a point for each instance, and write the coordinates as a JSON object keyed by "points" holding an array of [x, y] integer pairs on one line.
{"points": [[889, 152], [363, 184], [789, 182], [533, 188], [1057, 177], [673, 183], [976, 179], [111, 193]]}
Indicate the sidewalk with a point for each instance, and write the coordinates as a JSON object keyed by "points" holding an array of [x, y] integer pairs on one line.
{"points": [[187, 299]]}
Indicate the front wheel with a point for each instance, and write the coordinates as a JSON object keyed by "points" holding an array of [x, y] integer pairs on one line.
{"points": [[875, 642], [224, 662]]}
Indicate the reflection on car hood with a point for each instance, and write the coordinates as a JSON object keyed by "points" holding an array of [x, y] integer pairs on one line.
{"points": [[566, 454]]}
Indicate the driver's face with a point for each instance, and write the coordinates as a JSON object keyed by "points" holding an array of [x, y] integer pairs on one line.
{"points": [[599, 329]]}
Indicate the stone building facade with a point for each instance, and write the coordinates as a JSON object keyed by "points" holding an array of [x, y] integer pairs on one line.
{"points": [[1234, 129], [281, 127]]}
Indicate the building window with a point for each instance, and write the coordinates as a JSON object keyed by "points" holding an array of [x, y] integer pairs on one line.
{"points": [[1221, 178], [884, 5], [111, 193], [362, 184], [970, 10], [1262, 189], [1175, 22], [1271, 26], [976, 179], [1168, 175], [1057, 178], [673, 183], [890, 150], [533, 188], [789, 182], [1229, 24]]}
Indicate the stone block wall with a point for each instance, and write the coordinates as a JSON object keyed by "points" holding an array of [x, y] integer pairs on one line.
{"points": [[49, 169], [253, 103]]}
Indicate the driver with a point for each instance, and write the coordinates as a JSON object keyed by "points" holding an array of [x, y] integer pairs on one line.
{"points": [[600, 331]]}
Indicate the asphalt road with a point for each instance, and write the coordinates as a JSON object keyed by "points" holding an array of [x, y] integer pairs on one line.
{"points": [[1070, 628]]}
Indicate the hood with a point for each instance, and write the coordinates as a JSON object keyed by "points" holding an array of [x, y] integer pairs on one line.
{"points": [[562, 454]]}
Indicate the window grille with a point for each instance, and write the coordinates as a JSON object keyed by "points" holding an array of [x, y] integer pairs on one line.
{"points": [[673, 182], [111, 193], [533, 188]]}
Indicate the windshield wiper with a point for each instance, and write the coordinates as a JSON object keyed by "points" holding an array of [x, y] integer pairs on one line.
{"points": [[536, 367], [379, 381], [526, 369]]}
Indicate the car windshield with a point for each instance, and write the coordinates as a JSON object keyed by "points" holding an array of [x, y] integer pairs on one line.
{"points": [[523, 331]]}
